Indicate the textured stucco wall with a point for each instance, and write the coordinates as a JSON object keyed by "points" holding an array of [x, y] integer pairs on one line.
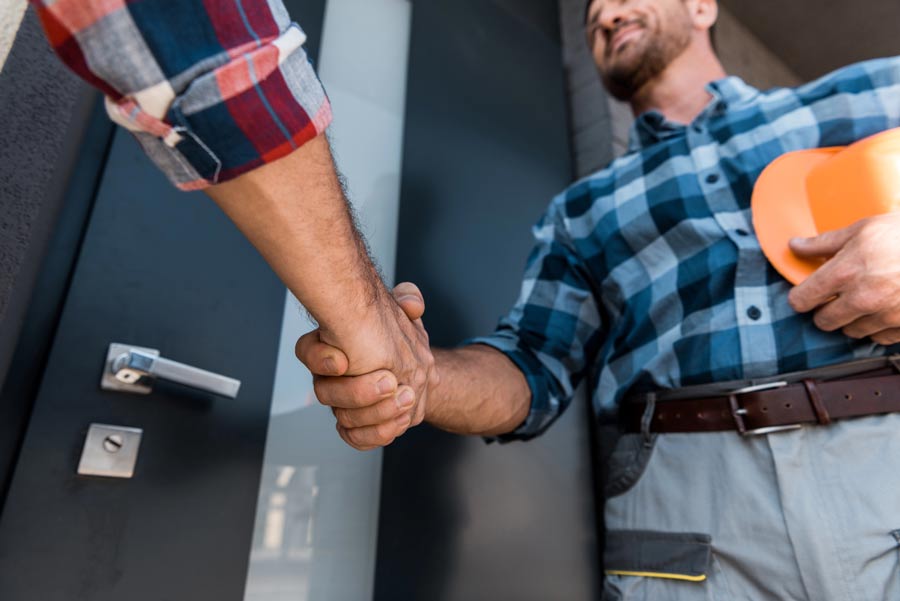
{"points": [[37, 99], [11, 13]]}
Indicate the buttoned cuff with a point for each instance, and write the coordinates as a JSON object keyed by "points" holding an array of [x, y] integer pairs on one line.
{"points": [[254, 109], [544, 408]]}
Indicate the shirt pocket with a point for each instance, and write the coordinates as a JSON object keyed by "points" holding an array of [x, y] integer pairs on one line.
{"points": [[644, 565]]}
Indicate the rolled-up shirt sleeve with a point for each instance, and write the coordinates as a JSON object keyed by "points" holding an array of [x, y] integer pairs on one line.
{"points": [[210, 88], [554, 331]]}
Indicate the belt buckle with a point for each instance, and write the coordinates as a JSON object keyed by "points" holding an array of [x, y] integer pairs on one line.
{"points": [[738, 412]]}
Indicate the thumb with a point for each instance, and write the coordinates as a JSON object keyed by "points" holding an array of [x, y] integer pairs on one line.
{"points": [[824, 245], [320, 358], [410, 299]]}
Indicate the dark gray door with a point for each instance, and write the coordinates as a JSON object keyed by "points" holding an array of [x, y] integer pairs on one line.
{"points": [[162, 269]]}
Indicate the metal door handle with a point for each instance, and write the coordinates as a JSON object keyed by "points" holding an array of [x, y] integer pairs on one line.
{"points": [[132, 368]]}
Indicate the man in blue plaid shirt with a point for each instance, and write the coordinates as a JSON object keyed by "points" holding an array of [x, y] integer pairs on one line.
{"points": [[647, 281]]}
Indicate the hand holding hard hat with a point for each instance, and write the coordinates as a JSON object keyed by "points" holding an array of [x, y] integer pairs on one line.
{"points": [[847, 200], [809, 192]]}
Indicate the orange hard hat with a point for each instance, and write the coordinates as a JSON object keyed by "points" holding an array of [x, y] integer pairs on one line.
{"points": [[809, 192]]}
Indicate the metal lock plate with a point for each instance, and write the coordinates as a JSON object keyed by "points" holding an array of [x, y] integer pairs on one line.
{"points": [[110, 451]]}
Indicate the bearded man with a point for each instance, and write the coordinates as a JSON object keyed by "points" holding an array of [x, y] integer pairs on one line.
{"points": [[648, 281]]}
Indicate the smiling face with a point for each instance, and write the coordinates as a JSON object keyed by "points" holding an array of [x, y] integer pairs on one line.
{"points": [[633, 41]]}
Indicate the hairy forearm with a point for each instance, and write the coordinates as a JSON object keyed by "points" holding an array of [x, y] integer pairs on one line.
{"points": [[294, 212], [480, 392]]}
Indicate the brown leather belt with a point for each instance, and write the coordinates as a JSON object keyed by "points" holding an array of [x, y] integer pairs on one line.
{"points": [[773, 406]]}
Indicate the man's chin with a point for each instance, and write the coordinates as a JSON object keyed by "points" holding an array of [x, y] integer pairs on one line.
{"points": [[626, 60], [621, 83]]}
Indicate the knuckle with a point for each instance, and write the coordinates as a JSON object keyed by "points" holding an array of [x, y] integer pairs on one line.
{"points": [[865, 225], [420, 378], [823, 322], [843, 273], [796, 300], [853, 332], [357, 395], [355, 438], [387, 410], [435, 378], [385, 433], [345, 418], [867, 304]]}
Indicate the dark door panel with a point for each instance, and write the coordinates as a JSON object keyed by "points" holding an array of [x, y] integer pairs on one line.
{"points": [[164, 270]]}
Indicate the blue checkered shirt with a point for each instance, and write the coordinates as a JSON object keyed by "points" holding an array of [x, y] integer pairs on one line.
{"points": [[648, 275]]}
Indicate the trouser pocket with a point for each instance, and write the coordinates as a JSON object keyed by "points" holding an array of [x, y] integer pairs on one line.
{"points": [[626, 464], [893, 585], [643, 565]]}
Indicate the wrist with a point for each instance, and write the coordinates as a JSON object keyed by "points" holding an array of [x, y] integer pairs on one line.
{"points": [[363, 317]]}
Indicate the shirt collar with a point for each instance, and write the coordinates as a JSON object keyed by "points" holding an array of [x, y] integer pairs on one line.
{"points": [[652, 127]]}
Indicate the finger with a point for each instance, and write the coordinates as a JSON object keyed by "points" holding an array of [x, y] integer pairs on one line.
{"points": [[376, 436], [866, 326], [382, 411], [410, 299], [320, 358], [823, 285], [418, 415], [342, 432], [824, 245], [353, 392], [887, 337], [838, 313]]}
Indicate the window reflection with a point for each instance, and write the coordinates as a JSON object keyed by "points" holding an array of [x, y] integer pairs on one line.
{"points": [[282, 551]]}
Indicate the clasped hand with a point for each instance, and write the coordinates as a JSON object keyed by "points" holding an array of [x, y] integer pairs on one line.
{"points": [[379, 390], [857, 289]]}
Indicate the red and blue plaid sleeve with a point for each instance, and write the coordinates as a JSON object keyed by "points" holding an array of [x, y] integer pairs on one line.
{"points": [[210, 88]]}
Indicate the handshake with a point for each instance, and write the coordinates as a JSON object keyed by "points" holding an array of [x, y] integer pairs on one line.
{"points": [[377, 384]]}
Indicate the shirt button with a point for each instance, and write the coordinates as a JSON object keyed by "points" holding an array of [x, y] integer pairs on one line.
{"points": [[741, 232], [698, 128], [754, 313], [712, 178]]}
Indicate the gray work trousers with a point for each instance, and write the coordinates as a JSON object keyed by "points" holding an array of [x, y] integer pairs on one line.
{"points": [[810, 514]]}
